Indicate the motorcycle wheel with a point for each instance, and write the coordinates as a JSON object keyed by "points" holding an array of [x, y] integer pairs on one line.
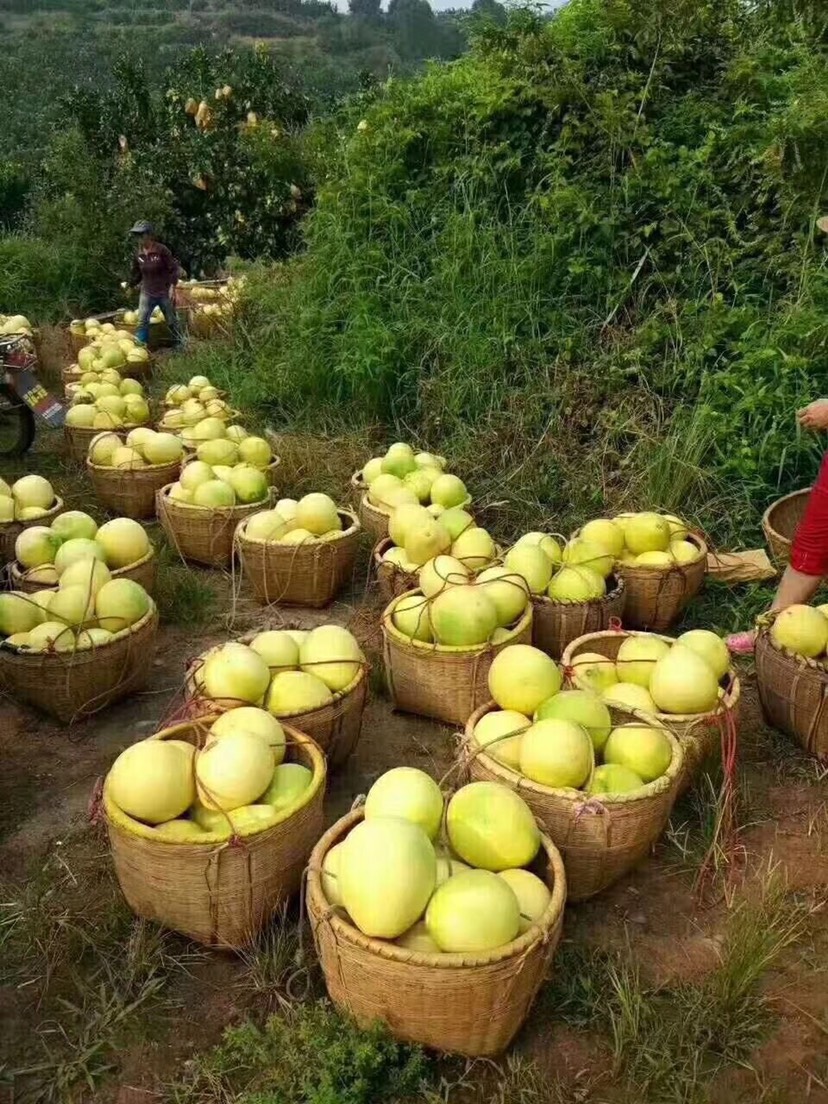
{"points": [[17, 424]]}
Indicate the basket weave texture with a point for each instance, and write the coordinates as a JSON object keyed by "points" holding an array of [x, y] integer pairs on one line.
{"points": [[447, 684], [11, 530], [557, 624], [71, 685], [657, 597], [201, 535], [781, 521], [335, 727], [130, 492], [219, 893], [143, 571], [600, 838], [465, 1004], [793, 691], [358, 489], [698, 734], [309, 574]]}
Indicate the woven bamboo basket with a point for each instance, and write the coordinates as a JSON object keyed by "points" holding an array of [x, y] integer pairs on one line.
{"points": [[698, 734], [446, 683], [392, 581], [656, 597], [793, 691], [461, 1003], [11, 530], [220, 892], [201, 535], [78, 341], [143, 571], [130, 492], [335, 727], [71, 685], [309, 574], [79, 438], [781, 521], [375, 520], [557, 624], [600, 838]]}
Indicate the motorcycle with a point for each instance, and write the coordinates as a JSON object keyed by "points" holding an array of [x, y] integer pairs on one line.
{"points": [[23, 398]]}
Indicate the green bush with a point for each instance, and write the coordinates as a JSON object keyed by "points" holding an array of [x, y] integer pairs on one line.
{"points": [[574, 243]]}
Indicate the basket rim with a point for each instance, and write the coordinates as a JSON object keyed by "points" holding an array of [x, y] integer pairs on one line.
{"points": [[766, 517], [52, 512], [372, 509], [25, 657], [732, 693], [568, 793], [174, 504], [154, 469], [808, 662], [15, 572], [340, 695], [536, 935], [391, 630], [353, 527], [116, 817], [678, 568], [80, 431], [544, 600]]}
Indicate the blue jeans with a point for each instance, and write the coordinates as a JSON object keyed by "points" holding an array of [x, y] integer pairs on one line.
{"points": [[146, 305]]}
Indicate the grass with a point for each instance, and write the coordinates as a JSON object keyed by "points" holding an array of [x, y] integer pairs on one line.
{"points": [[184, 595], [89, 976], [669, 1042], [304, 1055]]}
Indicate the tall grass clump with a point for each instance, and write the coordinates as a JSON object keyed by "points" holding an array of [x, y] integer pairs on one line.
{"points": [[589, 233]]}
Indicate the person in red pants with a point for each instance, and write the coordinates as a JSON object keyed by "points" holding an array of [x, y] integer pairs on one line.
{"points": [[809, 552]]}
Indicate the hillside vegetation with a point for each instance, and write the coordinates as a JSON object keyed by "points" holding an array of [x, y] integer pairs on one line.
{"points": [[583, 258]]}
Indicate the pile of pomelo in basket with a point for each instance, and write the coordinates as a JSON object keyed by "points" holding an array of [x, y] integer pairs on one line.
{"points": [[27, 499], [194, 408], [404, 477], [48, 554], [646, 539], [285, 671], [107, 347], [220, 486], [418, 536], [12, 324], [565, 738], [654, 676], [402, 874], [87, 610], [143, 447], [313, 517], [110, 404], [458, 609], [237, 784], [132, 317]]}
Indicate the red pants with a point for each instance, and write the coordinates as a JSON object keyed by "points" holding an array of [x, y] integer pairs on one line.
{"points": [[809, 553]]}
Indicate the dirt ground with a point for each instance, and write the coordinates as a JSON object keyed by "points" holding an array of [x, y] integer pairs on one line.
{"points": [[656, 914]]}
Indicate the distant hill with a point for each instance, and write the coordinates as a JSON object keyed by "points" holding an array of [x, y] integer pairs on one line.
{"points": [[50, 46]]}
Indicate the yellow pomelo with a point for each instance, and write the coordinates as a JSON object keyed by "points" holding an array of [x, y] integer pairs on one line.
{"points": [[473, 912], [491, 827], [710, 647], [647, 532], [411, 616], [151, 781], [645, 750], [629, 695], [463, 617], [556, 753], [233, 770], [293, 692], [521, 677], [604, 533], [507, 590], [442, 572], [637, 658], [592, 671], [500, 733], [530, 561], [576, 584], [331, 654], [408, 793], [584, 708], [683, 682], [533, 896]]}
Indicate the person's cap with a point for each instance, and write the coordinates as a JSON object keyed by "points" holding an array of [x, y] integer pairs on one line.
{"points": [[142, 227]]}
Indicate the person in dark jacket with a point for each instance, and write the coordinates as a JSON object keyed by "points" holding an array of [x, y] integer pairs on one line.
{"points": [[155, 270]]}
